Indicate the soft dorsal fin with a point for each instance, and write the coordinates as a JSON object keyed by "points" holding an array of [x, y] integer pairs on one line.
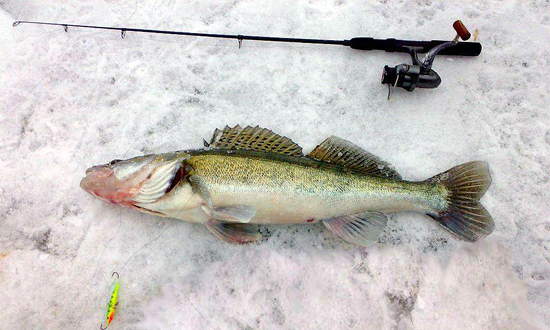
{"points": [[254, 138], [335, 150]]}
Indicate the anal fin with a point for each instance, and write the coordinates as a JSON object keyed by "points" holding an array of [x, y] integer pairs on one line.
{"points": [[360, 229], [236, 233]]}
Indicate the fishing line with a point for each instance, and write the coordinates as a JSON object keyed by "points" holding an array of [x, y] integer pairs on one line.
{"points": [[208, 325], [144, 245], [111, 307], [113, 302], [106, 246], [110, 240], [96, 270], [48, 74], [113, 12], [32, 93], [228, 44], [63, 53]]}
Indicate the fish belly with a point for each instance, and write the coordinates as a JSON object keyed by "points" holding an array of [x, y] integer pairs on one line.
{"points": [[288, 208]]}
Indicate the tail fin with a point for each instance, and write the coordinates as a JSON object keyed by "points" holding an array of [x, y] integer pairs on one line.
{"points": [[465, 216]]}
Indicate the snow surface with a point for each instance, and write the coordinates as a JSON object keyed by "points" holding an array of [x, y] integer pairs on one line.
{"points": [[72, 100]]}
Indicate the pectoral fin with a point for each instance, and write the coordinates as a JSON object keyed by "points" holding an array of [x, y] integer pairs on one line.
{"points": [[237, 233], [200, 189], [361, 229], [232, 213]]}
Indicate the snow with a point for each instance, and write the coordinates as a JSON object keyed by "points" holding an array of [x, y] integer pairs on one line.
{"points": [[77, 99]]}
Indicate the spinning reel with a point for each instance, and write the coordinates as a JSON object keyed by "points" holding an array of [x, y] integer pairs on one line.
{"points": [[420, 74]]}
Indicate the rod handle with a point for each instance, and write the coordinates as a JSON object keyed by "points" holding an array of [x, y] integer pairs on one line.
{"points": [[403, 46]]}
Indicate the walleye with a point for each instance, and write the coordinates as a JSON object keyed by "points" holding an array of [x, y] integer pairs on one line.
{"points": [[254, 176]]}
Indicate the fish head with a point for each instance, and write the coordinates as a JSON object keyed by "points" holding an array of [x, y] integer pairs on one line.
{"points": [[142, 179]]}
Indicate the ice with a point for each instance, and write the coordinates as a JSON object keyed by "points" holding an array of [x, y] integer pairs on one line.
{"points": [[77, 99], [379, 289]]}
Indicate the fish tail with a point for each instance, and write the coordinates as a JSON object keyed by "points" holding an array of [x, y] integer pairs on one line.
{"points": [[465, 216]]}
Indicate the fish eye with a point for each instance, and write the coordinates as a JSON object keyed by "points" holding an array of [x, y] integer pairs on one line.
{"points": [[114, 161]]}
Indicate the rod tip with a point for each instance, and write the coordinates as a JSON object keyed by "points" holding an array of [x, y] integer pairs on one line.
{"points": [[16, 23]]}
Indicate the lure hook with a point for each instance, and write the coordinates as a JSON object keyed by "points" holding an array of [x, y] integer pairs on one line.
{"points": [[117, 275], [101, 327]]}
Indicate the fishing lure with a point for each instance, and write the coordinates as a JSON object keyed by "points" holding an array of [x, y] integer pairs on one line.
{"points": [[113, 302]]}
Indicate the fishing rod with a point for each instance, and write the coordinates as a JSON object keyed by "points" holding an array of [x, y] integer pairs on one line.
{"points": [[419, 74]]}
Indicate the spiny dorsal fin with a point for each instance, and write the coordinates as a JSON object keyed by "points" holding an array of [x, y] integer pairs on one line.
{"points": [[254, 138], [335, 150]]}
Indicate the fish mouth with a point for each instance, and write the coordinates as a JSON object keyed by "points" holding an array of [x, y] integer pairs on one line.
{"points": [[100, 182], [95, 179]]}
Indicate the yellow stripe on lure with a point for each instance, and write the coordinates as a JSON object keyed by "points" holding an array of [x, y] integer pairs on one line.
{"points": [[113, 302]]}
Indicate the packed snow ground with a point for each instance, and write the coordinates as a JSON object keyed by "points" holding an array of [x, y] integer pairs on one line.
{"points": [[76, 99]]}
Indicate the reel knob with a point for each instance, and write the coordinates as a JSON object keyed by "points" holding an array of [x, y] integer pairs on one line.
{"points": [[461, 30]]}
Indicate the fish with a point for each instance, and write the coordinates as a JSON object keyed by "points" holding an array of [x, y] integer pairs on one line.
{"points": [[249, 176]]}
